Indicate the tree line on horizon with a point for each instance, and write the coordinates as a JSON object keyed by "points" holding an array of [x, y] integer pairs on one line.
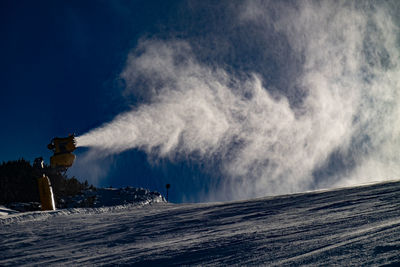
{"points": [[18, 183]]}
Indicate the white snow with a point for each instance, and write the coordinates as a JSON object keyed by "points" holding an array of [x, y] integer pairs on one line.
{"points": [[6, 211], [350, 226]]}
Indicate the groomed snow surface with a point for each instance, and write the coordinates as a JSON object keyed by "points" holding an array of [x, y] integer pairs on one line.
{"points": [[356, 226]]}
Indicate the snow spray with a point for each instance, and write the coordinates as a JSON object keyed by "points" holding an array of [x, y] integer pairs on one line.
{"points": [[264, 144]]}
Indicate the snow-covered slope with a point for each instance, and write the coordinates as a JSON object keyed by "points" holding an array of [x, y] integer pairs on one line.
{"points": [[101, 197], [4, 211], [352, 226]]}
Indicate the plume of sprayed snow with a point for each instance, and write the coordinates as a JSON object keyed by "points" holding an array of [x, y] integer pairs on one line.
{"points": [[350, 76]]}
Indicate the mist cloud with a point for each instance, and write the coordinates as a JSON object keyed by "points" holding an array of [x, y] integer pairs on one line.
{"points": [[263, 143]]}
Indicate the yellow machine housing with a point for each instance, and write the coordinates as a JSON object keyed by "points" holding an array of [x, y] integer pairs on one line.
{"points": [[62, 148]]}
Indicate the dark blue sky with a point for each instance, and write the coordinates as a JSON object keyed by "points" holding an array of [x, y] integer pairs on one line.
{"points": [[60, 65]]}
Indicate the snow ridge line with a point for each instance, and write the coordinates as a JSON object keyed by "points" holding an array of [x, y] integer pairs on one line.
{"points": [[42, 215]]}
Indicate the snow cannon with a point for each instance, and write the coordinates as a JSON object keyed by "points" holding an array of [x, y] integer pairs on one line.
{"points": [[62, 148]]}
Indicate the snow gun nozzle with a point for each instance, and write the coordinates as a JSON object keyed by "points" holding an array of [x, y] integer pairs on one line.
{"points": [[63, 144]]}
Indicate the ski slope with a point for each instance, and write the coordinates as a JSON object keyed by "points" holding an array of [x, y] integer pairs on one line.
{"points": [[356, 226]]}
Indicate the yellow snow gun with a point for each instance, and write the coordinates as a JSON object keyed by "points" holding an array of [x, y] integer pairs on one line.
{"points": [[62, 148]]}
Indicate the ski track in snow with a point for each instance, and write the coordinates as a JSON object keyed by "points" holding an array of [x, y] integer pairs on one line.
{"points": [[351, 226]]}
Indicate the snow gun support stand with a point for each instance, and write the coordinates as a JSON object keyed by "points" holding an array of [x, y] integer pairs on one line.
{"points": [[168, 186], [61, 160]]}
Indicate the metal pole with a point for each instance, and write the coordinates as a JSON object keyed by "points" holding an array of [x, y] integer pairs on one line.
{"points": [[167, 186]]}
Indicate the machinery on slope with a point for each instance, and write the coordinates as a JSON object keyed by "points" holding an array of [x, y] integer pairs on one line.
{"points": [[62, 148], [61, 160]]}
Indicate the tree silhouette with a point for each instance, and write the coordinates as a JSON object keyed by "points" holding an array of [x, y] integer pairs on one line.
{"points": [[18, 182]]}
